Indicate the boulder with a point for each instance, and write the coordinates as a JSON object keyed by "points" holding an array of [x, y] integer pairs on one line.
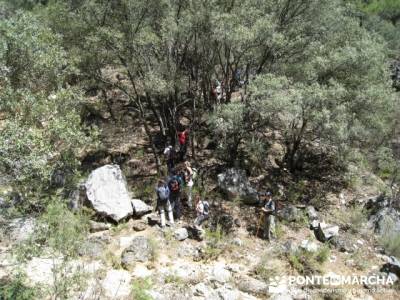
{"points": [[251, 285], [311, 213], [20, 229], [181, 234], [93, 247], [98, 226], [220, 274], [202, 290], [289, 247], [309, 246], [392, 266], [140, 208], [107, 192], [140, 250], [234, 183], [117, 284], [342, 244], [77, 197], [314, 224], [291, 213], [384, 220], [325, 232]]}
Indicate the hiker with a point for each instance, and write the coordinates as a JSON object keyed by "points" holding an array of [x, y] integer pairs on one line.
{"points": [[189, 176], [202, 210], [170, 154], [175, 184], [269, 215], [163, 202], [183, 138]]}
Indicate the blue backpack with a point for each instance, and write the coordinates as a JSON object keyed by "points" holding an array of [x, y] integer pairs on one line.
{"points": [[163, 193]]}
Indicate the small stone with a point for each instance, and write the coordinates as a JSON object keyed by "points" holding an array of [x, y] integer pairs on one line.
{"points": [[309, 246], [181, 234], [237, 242], [139, 226], [98, 226], [140, 208]]}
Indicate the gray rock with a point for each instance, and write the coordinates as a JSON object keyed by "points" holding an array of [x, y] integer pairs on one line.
{"points": [[342, 244], [140, 250], [98, 226], [289, 247], [220, 274], [325, 232], [237, 242], [20, 229], [77, 197], [251, 285], [139, 226], [181, 234], [291, 213], [153, 219], [202, 290], [93, 247], [386, 219], [234, 183], [309, 246], [140, 208], [314, 224], [107, 192], [311, 213], [117, 284], [392, 266]]}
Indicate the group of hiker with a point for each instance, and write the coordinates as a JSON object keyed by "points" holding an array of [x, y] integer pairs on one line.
{"points": [[181, 177]]}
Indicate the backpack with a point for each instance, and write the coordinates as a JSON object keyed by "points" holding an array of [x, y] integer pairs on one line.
{"points": [[206, 207], [174, 185], [163, 193]]}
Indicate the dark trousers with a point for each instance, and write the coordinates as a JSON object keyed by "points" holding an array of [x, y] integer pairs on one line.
{"points": [[182, 151], [170, 165]]}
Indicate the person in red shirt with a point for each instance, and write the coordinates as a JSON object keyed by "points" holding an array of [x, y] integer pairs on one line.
{"points": [[183, 138]]}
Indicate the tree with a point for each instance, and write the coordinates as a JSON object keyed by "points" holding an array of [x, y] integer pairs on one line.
{"points": [[41, 130]]}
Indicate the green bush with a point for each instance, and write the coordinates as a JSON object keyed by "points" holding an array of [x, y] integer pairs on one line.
{"points": [[140, 288], [390, 239], [15, 289], [309, 263], [59, 234]]}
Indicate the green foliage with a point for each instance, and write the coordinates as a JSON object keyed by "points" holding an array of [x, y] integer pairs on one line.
{"points": [[15, 289], [59, 234], [140, 288], [309, 263], [390, 239], [41, 130], [216, 243]]}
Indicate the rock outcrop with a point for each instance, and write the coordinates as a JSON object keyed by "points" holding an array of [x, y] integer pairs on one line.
{"points": [[140, 250], [107, 192], [234, 183]]}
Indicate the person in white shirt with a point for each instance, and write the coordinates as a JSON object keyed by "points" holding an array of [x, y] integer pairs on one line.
{"points": [[202, 211]]}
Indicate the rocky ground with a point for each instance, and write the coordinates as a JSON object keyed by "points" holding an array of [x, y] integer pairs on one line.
{"points": [[131, 257], [136, 259]]}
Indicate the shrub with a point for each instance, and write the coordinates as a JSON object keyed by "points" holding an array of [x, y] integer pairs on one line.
{"points": [[140, 288], [59, 233], [15, 289], [390, 239], [216, 243], [308, 263]]}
